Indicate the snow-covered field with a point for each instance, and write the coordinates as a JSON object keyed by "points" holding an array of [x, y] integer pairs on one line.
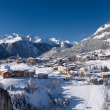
{"points": [[83, 97]]}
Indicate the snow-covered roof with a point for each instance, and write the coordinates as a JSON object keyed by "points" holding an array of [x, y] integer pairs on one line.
{"points": [[14, 66], [29, 70], [5, 68]]}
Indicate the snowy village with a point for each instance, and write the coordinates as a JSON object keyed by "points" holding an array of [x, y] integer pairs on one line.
{"points": [[75, 83], [54, 55]]}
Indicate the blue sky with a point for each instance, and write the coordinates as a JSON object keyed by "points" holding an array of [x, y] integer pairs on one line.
{"points": [[62, 19]]}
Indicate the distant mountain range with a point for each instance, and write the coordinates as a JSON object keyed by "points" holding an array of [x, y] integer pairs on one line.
{"points": [[34, 46], [98, 43], [29, 46]]}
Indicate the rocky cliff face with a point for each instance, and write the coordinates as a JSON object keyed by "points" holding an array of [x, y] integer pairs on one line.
{"points": [[5, 100]]}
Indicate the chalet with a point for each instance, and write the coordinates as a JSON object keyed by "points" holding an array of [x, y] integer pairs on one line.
{"points": [[42, 76], [31, 73], [26, 73], [72, 64], [13, 58], [67, 78], [84, 59], [66, 70], [4, 61], [31, 61], [55, 68], [5, 71], [45, 60], [10, 60], [48, 64], [83, 69], [19, 60], [87, 74], [98, 58], [78, 58], [38, 60], [79, 65], [104, 75], [18, 73], [23, 73], [73, 73], [93, 80], [91, 58], [57, 73], [56, 65], [60, 68], [7, 74], [58, 61], [1, 71], [72, 68], [63, 69], [83, 72], [65, 64], [100, 81], [65, 60], [104, 57]]}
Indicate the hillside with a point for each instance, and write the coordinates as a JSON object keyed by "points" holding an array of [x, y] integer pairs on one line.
{"points": [[100, 40]]}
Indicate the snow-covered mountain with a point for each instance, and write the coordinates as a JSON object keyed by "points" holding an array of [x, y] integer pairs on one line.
{"points": [[102, 33], [26, 46], [100, 40], [34, 39]]}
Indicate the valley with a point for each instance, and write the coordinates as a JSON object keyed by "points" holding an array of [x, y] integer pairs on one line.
{"points": [[50, 74]]}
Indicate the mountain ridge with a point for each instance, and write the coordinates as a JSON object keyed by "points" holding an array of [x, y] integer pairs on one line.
{"points": [[29, 46], [100, 40], [35, 39]]}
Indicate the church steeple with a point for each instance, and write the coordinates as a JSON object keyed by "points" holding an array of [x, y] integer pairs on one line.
{"points": [[17, 55]]}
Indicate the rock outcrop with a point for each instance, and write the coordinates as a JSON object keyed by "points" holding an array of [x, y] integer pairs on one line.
{"points": [[5, 100]]}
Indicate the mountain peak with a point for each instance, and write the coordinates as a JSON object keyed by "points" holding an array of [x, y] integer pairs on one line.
{"points": [[97, 43], [26, 46], [14, 37], [103, 28]]}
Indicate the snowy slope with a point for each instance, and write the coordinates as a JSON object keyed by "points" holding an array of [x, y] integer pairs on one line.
{"points": [[100, 40], [101, 32]]}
